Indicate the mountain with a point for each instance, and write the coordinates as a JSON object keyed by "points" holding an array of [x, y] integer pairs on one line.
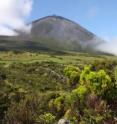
{"points": [[52, 33], [60, 29]]}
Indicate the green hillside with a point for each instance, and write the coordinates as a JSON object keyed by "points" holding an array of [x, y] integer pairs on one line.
{"points": [[43, 87]]}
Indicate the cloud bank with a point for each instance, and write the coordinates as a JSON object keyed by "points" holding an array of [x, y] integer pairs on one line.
{"points": [[109, 46], [13, 14]]}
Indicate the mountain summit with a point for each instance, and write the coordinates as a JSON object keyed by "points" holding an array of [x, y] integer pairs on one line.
{"points": [[60, 28], [56, 33]]}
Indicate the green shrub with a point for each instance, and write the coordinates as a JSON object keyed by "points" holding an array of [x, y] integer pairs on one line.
{"points": [[99, 81], [73, 74], [47, 118]]}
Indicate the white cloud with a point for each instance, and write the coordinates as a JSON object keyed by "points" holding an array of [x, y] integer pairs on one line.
{"points": [[6, 31], [109, 46], [13, 14]]}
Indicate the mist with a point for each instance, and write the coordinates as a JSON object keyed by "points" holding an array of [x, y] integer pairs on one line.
{"points": [[13, 15], [108, 46]]}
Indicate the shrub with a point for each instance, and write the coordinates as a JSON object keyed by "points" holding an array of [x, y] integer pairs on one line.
{"points": [[99, 81], [46, 118], [73, 74]]}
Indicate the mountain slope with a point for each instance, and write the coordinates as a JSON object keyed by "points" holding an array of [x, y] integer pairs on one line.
{"points": [[53, 32], [60, 28]]}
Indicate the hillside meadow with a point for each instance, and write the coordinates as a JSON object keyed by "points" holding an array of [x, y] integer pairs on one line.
{"points": [[44, 87]]}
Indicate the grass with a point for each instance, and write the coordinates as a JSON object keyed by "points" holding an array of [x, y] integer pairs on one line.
{"points": [[41, 74], [68, 58]]}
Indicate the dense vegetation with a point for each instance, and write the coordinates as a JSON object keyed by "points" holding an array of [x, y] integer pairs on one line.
{"points": [[38, 88]]}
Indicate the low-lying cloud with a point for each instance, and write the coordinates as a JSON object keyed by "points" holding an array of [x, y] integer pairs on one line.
{"points": [[108, 46], [13, 14]]}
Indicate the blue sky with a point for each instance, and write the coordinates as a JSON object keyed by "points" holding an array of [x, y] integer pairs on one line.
{"points": [[98, 16]]}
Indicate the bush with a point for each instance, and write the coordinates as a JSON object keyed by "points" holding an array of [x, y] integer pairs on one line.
{"points": [[87, 103], [98, 81], [47, 118], [73, 74]]}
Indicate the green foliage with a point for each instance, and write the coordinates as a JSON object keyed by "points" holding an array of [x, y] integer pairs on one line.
{"points": [[59, 102], [47, 118], [116, 76], [73, 73], [58, 106], [99, 81], [35, 88], [107, 65], [78, 95], [83, 74], [84, 104], [81, 91]]}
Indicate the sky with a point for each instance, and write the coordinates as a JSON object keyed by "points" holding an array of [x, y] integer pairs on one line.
{"points": [[98, 16]]}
